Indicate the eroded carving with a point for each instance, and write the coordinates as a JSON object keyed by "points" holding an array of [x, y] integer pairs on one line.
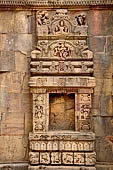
{"points": [[79, 158], [67, 158], [45, 158], [34, 157], [90, 158], [55, 158]]}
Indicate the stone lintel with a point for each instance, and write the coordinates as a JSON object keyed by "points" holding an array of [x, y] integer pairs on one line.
{"points": [[62, 81]]}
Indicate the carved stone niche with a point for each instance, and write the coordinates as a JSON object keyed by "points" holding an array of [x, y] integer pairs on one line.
{"points": [[61, 125]]}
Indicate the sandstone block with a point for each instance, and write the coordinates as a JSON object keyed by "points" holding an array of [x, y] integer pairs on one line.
{"points": [[7, 61], [97, 43], [23, 42], [5, 25], [102, 66]]}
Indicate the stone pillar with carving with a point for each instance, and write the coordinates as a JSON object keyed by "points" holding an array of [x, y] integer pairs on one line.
{"points": [[62, 86]]}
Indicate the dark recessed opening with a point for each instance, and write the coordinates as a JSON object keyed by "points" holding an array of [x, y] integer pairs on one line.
{"points": [[62, 111]]}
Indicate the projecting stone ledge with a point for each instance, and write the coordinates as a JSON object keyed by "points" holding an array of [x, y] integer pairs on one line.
{"points": [[61, 168]]}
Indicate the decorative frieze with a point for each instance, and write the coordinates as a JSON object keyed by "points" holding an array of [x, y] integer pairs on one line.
{"points": [[61, 67], [62, 50], [64, 158], [62, 145]]}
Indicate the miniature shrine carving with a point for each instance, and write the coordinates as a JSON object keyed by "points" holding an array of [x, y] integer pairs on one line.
{"points": [[62, 85]]}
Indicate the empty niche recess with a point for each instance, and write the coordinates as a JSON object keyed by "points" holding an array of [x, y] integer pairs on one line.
{"points": [[61, 111]]}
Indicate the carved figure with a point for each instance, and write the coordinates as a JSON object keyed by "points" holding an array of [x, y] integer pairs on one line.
{"points": [[42, 17], [61, 28], [80, 20]]}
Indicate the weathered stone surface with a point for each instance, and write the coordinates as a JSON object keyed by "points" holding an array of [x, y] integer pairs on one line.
{"points": [[23, 42], [15, 147], [104, 167], [7, 61], [102, 102], [102, 66], [21, 62]]}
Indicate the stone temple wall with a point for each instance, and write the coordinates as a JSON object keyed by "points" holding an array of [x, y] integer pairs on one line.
{"points": [[17, 41]]}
